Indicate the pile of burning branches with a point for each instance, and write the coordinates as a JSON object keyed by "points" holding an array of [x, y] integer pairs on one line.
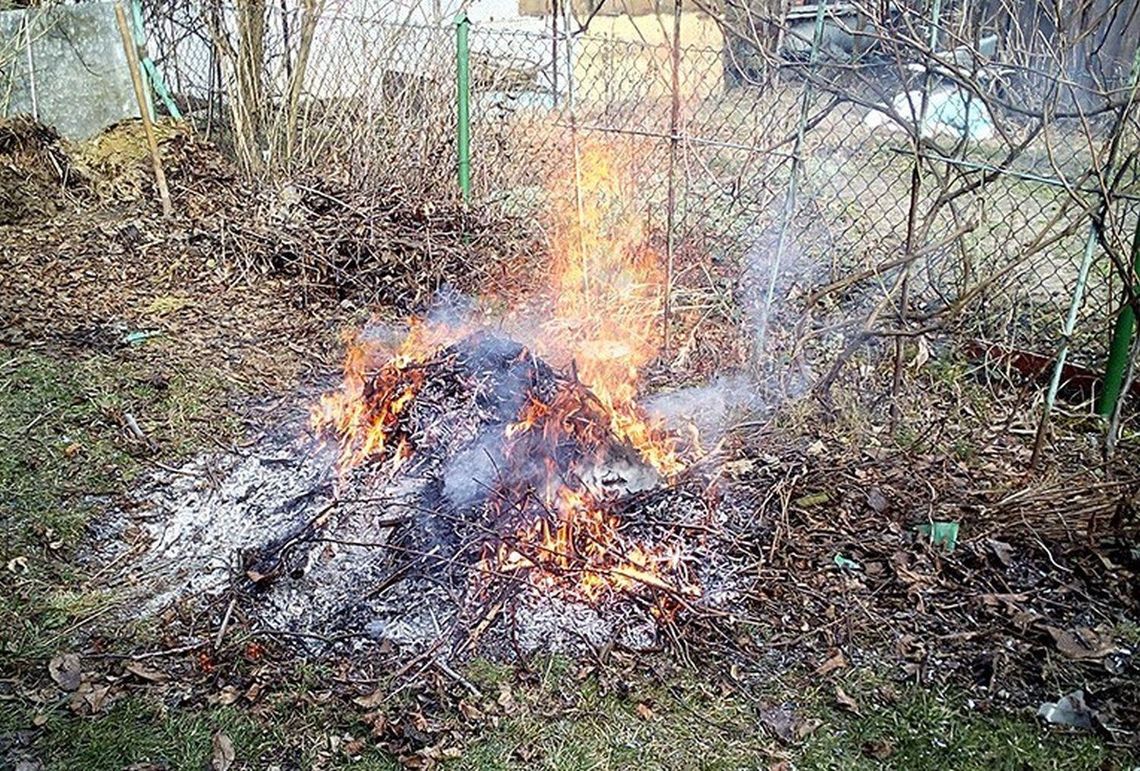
{"points": [[528, 468], [471, 467]]}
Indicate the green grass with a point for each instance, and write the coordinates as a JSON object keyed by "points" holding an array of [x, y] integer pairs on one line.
{"points": [[559, 723], [139, 730], [927, 729], [554, 720], [64, 451]]}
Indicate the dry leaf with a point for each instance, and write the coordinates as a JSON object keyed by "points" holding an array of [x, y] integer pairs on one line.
{"points": [[77, 703], [144, 672], [845, 701], [96, 698], [1002, 550], [738, 468], [1080, 643], [224, 755], [880, 749], [64, 670], [378, 721], [506, 700], [922, 355], [253, 693], [469, 710], [807, 727], [837, 661], [353, 747]]}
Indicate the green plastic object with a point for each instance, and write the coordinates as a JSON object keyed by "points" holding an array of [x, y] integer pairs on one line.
{"points": [[944, 534], [141, 336], [1121, 339], [150, 71], [843, 563]]}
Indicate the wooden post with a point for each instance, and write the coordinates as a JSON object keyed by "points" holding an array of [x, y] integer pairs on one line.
{"points": [[144, 113]]}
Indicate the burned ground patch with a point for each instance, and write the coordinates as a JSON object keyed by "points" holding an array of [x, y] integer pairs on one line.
{"points": [[457, 525]]}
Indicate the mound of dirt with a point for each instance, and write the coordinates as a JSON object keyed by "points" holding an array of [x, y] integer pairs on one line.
{"points": [[42, 174], [118, 166]]}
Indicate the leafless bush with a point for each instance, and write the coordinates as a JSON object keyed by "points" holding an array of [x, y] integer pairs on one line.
{"points": [[297, 87]]}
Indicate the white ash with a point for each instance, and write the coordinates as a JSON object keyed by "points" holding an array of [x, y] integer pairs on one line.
{"points": [[392, 557], [546, 621], [198, 517]]}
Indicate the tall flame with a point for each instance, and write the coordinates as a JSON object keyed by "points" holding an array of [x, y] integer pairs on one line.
{"points": [[607, 288]]}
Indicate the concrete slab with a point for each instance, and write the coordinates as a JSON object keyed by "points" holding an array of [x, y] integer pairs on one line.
{"points": [[66, 66]]}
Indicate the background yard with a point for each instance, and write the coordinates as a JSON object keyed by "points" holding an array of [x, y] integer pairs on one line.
{"points": [[907, 521]]}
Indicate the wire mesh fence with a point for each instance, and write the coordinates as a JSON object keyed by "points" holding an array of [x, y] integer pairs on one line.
{"points": [[914, 166]]}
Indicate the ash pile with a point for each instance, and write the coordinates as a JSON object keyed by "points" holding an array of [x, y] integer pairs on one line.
{"points": [[473, 498]]}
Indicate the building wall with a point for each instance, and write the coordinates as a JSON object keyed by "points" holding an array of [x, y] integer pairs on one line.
{"points": [[629, 57]]}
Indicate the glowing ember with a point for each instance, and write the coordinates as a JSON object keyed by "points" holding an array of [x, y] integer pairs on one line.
{"points": [[579, 548]]}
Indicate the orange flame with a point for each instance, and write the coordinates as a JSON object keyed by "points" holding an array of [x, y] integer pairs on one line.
{"points": [[582, 551], [608, 297], [364, 414]]}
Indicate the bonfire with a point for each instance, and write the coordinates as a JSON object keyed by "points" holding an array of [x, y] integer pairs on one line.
{"points": [[542, 458]]}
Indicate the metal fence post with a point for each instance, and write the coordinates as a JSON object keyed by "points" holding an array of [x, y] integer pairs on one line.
{"points": [[463, 97], [1083, 276], [793, 179], [1083, 272], [1126, 319]]}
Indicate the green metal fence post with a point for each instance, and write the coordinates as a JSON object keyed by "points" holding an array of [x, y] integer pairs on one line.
{"points": [[463, 88], [1086, 263], [1121, 338]]}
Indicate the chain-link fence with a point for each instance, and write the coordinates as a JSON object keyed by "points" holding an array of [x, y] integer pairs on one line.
{"points": [[896, 170]]}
